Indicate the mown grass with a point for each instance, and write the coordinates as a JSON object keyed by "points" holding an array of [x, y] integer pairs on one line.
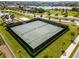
{"points": [[59, 12], [62, 18]]}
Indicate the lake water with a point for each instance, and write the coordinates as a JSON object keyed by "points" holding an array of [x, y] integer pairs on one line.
{"points": [[54, 7]]}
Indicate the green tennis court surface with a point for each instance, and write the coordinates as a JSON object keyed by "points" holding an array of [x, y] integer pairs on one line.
{"points": [[37, 34]]}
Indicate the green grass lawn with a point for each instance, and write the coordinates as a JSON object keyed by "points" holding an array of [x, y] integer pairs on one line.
{"points": [[70, 13], [62, 18]]}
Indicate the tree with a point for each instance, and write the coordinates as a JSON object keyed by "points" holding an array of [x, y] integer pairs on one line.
{"points": [[65, 13], [1, 40], [19, 52], [78, 30], [7, 17], [3, 18], [20, 7], [62, 11], [75, 9], [76, 15], [34, 15], [72, 20], [72, 35], [3, 6], [56, 14], [63, 43], [62, 50], [59, 20], [40, 10], [41, 15], [49, 15], [12, 16]]}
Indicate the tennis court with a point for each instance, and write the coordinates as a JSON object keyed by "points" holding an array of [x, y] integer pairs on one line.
{"points": [[37, 34]]}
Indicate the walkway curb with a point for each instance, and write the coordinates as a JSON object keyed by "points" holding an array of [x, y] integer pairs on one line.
{"points": [[70, 49]]}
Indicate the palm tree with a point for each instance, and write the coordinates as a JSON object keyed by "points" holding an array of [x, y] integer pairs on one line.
{"points": [[78, 30], [41, 15], [63, 43], [3, 18], [3, 6], [62, 50], [72, 20], [19, 52], [12, 16], [66, 13], [7, 17], [62, 11], [1, 40], [49, 15], [72, 35], [34, 15], [21, 7], [56, 14], [59, 20]]}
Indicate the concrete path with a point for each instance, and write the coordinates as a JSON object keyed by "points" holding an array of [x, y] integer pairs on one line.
{"points": [[70, 49], [6, 49], [7, 52], [76, 55]]}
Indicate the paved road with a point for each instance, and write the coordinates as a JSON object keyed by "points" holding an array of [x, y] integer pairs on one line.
{"points": [[76, 55]]}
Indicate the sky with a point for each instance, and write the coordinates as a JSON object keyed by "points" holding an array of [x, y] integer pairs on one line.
{"points": [[40, 0]]}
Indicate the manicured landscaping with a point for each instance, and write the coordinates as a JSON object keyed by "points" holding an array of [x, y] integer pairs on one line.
{"points": [[59, 12], [53, 50]]}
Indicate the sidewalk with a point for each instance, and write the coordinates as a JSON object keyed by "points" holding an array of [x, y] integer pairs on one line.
{"points": [[7, 49], [76, 55], [70, 49]]}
